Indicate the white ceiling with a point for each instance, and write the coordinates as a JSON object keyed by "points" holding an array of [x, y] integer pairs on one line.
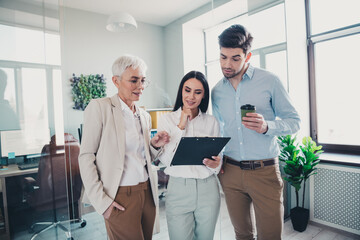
{"points": [[158, 12]]}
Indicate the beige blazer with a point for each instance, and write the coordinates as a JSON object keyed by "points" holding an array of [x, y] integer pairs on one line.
{"points": [[102, 151]]}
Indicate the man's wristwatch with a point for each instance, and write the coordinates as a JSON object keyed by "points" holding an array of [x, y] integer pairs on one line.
{"points": [[266, 130]]}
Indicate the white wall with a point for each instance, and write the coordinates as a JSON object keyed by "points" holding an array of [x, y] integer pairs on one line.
{"points": [[88, 48], [173, 38]]}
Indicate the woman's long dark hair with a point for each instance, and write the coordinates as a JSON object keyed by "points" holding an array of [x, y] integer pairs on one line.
{"points": [[201, 77]]}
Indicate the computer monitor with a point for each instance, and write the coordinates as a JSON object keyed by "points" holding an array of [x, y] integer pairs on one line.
{"points": [[23, 142]]}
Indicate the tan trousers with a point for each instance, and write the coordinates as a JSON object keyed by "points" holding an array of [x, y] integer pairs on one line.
{"points": [[137, 221], [262, 188]]}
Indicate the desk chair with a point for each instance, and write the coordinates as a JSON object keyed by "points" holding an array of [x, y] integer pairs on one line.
{"points": [[58, 184]]}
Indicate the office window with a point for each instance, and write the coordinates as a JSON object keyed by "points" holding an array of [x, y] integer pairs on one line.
{"points": [[333, 57], [9, 87], [276, 62], [212, 44], [34, 89], [329, 15], [45, 47], [255, 60], [214, 73], [267, 26], [30, 73], [337, 90], [58, 106]]}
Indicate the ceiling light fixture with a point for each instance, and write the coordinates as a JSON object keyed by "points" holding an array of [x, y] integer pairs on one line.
{"points": [[121, 22]]}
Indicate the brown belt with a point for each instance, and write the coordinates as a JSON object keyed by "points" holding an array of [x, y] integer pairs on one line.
{"points": [[250, 165]]}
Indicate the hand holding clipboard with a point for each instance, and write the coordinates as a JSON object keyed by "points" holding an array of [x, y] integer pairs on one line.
{"points": [[192, 150]]}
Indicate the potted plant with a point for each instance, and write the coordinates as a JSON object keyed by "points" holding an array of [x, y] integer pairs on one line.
{"points": [[300, 164]]}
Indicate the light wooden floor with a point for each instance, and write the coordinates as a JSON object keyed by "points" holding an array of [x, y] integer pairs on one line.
{"points": [[95, 229]]}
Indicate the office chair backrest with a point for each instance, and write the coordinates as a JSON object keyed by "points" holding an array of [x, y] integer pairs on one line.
{"points": [[58, 176]]}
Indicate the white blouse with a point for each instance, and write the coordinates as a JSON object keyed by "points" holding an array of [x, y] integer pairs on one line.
{"points": [[203, 125], [134, 165]]}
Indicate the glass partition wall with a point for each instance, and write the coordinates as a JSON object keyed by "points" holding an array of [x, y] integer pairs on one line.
{"points": [[37, 162]]}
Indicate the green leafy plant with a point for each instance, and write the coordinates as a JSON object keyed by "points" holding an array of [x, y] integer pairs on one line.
{"points": [[300, 161], [87, 87], [310, 158]]}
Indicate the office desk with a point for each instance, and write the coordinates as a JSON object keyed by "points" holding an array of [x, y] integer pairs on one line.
{"points": [[11, 171]]}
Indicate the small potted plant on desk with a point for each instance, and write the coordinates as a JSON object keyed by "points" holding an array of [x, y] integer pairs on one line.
{"points": [[300, 164]]}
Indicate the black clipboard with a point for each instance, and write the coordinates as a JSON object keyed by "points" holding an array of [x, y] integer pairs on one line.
{"points": [[193, 150]]}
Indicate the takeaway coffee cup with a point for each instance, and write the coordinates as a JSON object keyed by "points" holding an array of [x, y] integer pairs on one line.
{"points": [[247, 108]]}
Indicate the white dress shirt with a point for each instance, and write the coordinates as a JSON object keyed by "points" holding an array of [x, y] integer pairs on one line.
{"points": [[134, 165], [203, 125]]}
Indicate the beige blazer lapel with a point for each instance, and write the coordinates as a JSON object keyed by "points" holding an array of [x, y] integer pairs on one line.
{"points": [[145, 130], [119, 128]]}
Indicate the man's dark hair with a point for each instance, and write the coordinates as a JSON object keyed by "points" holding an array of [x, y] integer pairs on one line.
{"points": [[236, 36], [201, 77]]}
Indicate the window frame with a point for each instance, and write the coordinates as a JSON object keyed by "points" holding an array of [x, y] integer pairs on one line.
{"points": [[17, 66], [313, 39]]}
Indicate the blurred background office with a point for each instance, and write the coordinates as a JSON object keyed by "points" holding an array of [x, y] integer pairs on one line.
{"points": [[312, 45]]}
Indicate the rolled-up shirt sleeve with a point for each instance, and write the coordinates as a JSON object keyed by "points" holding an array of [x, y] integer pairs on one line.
{"points": [[288, 119]]}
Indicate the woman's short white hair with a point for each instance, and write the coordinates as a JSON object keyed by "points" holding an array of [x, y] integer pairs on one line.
{"points": [[125, 61]]}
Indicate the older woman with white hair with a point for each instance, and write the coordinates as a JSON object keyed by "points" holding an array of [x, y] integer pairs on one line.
{"points": [[115, 155]]}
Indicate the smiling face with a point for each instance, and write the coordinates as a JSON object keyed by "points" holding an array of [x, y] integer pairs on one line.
{"points": [[130, 86], [192, 93]]}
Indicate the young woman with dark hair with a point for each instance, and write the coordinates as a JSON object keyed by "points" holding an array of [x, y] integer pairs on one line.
{"points": [[192, 199], [205, 100]]}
